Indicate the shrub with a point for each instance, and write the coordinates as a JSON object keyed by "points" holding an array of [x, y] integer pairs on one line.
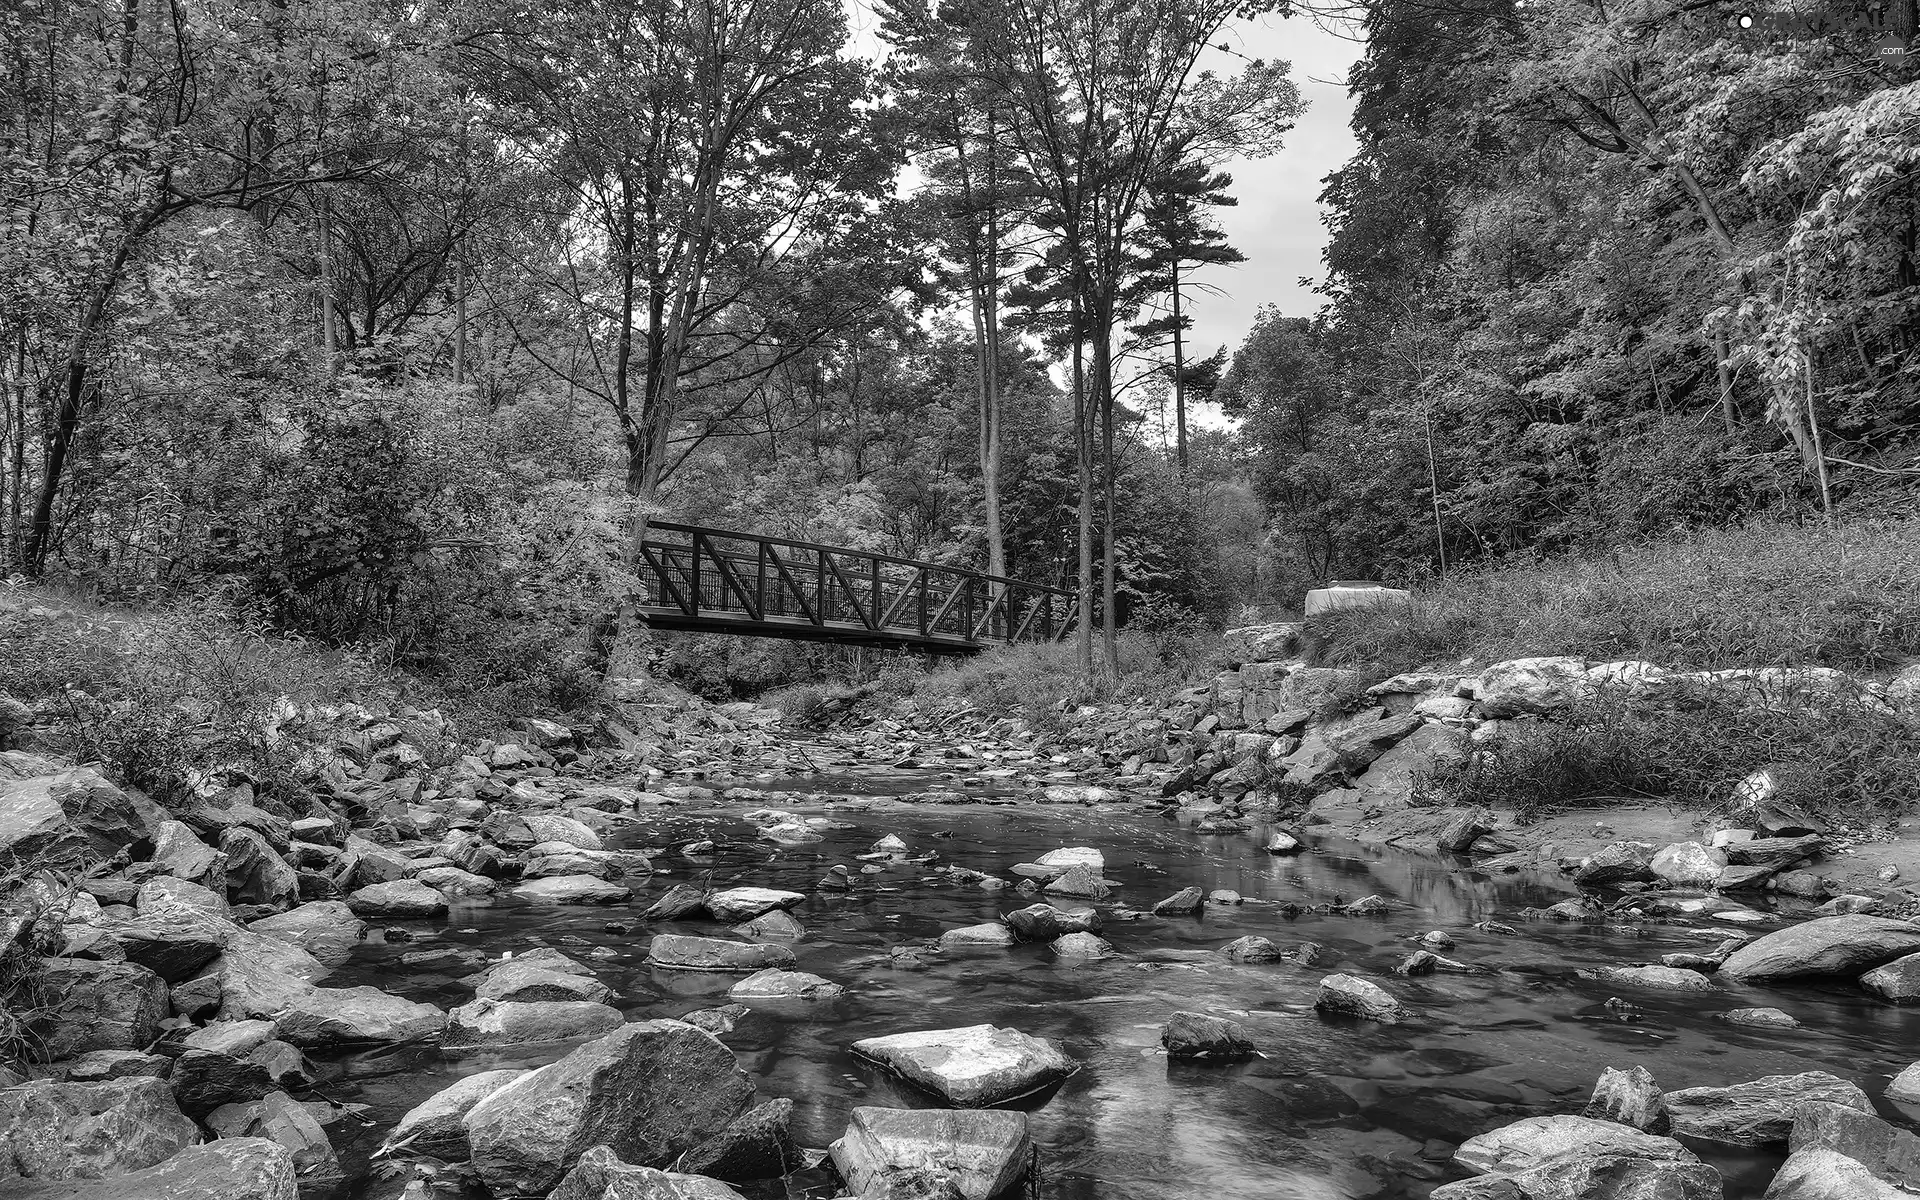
{"points": [[1763, 594], [1039, 680], [1857, 762]]}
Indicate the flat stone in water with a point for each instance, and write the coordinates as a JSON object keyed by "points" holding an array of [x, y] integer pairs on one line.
{"points": [[1665, 979], [774, 984], [715, 954], [1757, 1113], [572, 889], [989, 933], [746, 903], [1527, 1143], [974, 1067]]}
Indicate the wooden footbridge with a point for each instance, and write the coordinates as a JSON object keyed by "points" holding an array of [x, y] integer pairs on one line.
{"points": [[714, 581]]}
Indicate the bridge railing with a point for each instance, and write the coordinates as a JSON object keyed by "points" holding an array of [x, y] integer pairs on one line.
{"points": [[732, 578]]}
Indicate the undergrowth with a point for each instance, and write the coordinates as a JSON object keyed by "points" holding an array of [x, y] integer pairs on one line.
{"points": [[1852, 762], [1765, 594]]}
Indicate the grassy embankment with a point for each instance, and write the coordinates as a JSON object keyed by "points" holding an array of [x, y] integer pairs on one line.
{"points": [[1766, 595]]}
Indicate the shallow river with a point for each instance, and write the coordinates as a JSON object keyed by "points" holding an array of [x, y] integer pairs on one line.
{"points": [[1333, 1110]]}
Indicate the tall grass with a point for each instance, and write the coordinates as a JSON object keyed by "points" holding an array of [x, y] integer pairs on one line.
{"points": [[1762, 595], [1039, 680]]}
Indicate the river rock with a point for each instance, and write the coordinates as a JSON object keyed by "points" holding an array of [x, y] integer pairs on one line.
{"points": [[487, 1022], [181, 854], [678, 903], [746, 903], [1252, 949], [229, 1169], [1197, 1035], [1898, 982], [1891, 1154], [1079, 882], [1594, 1174], [1282, 842], [1773, 853], [1531, 685], [974, 1067], [987, 934], [897, 1151], [757, 1145], [773, 984], [648, 1091], [280, 1118], [1820, 1174], [1459, 834], [255, 976], [552, 827], [1689, 865], [600, 1175], [204, 1080], [1666, 979], [69, 819], [1528, 1143], [401, 898], [1629, 1098], [1349, 996], [256, 874], [1621, 862], [372, 863], [457, 884], [99, 1006], [326, 929], [1760, 802], [572, 889], [775, 926], [174, 945], [166, 894], [1758, 1113], [327, 1017], [1044, 922], [1905, 1087], [96, 1066], [518, 979], [51, 1131], [1081, 945], [715, 954], [1184, 903], [437, 1128], [1825, 946]]}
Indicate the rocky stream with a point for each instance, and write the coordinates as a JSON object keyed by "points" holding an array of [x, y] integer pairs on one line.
{"points": [[726, 961]]}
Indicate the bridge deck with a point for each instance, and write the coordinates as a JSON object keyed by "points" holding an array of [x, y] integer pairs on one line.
{"points": [[715, 581]]}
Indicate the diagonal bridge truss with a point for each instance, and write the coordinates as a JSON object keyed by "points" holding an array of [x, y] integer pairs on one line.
{"points": [[716, 581]]}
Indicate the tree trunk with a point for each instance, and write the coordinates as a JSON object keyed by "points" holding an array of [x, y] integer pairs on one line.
{"points": [[1083, 453], [991, 409], [1179, 380], [1103, 397]]}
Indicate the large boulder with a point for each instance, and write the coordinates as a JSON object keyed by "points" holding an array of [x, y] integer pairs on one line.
{"points": [[1826, 946], [1531, 685], [1354, 997], [1615, 864], [898, 1151], [1891, 1154], [756, 1145], [256, 976], [229, 1169], [1528, 1143], [523, 1022], [773, 984], [174, 945], [1820, 1174], [69, 819], [400, 898], [99, 1006], [325, 1017], [1600, 1173], [326, 929], [1044, 922], [181, 854], [1197, 1035], [1689, 864], [978, 1066], [1757, 1113], [649, 1091], [715, 954], [572, 889], [256, 874], [746, 903], [679, 902], [54, 1131], [601, 1175], [280, 1118], [1629, 1098], [436, 1128], [552, 827], [985, 934], [517, 980], [203, 1080]]}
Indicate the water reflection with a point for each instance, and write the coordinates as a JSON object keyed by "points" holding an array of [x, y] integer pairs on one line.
{"points": [[1335, 1110]]}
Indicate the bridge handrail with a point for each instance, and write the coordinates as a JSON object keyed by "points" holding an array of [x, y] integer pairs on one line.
{"points": [[818, 548]]}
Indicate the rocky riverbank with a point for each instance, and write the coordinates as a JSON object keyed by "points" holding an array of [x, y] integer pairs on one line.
{"points": [[173, 1009]]}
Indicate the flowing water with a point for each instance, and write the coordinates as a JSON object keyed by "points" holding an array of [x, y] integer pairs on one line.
{"points": [[1334, 1109]]}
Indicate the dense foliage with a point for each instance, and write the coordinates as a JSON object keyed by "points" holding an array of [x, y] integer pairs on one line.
{"points": [[397, 323], [1597, 272]]}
